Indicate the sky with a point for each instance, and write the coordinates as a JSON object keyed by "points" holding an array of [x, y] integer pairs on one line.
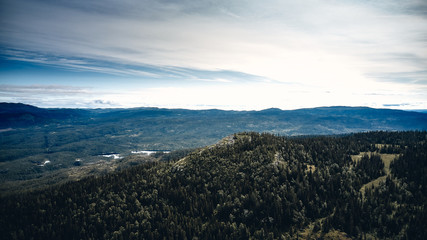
{"points": [[224, 54]]}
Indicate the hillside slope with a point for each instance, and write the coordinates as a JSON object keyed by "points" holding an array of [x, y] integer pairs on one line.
{"points": [[246, 185]]}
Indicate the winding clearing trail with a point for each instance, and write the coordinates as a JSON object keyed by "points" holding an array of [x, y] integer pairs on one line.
{"points": [[386, 158]]}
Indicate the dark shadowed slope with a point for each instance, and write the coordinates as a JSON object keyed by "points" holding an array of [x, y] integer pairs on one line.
{"points": [[22, 115]]}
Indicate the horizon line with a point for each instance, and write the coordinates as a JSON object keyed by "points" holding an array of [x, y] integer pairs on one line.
{"points": [[218, 108]]}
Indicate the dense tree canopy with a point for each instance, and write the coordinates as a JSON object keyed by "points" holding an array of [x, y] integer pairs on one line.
{"points": [[247, 185]]}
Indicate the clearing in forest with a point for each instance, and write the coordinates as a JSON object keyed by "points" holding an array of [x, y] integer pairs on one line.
{"points": [[386, 158]]}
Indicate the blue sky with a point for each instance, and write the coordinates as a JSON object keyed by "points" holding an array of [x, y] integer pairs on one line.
{"points": [[214, 54]]}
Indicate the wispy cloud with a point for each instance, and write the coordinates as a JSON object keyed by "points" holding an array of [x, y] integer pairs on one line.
{"points": [[137, 70], [396, 104], [41, 89], [44, 95], [56, 96], [416, 77]]}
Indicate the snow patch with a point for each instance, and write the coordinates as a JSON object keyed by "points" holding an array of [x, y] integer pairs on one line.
{"points": [[114, 156], [149, 152], [44, 163]]}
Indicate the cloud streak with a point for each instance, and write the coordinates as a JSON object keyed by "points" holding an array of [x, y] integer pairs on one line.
{"points": [[41, 90], [142, 71]]}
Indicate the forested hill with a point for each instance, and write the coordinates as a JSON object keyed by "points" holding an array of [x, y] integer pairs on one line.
{"points": [[364, 186]]}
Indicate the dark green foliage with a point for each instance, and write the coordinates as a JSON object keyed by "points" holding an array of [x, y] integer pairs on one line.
{"points": [[369, 168], [247, 185]]}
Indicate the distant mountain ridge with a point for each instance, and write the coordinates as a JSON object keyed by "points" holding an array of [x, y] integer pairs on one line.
{"points": [[23, 115], [322, 120]]}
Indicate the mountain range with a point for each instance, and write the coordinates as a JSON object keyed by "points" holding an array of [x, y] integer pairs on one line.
{"points": [[38, 142], [321, 120]]}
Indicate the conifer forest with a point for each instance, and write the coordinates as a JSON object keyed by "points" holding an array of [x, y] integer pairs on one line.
{"points": [[247, 186]]}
